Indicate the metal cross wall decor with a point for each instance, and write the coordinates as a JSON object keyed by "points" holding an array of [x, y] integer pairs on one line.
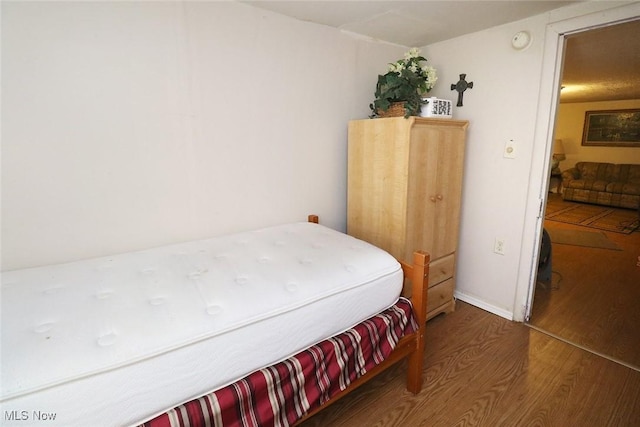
{"points": [[460, 87]]}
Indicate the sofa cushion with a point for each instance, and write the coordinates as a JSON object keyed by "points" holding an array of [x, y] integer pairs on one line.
{"points": [[627, 173], [596, 171], [587, 184], [623, 188]]}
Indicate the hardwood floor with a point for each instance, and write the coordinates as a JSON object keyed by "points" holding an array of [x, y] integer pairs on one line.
{"points": [[483, 370], [594, 300]]}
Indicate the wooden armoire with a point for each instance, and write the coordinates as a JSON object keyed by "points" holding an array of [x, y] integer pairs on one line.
{"points": [[404, 191]]}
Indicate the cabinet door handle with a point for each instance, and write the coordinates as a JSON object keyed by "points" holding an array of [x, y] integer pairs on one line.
{"points": [[433, 199], [439, 197]]}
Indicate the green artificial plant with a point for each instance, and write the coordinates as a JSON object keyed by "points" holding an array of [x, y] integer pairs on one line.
{"points": [[406, 80]]}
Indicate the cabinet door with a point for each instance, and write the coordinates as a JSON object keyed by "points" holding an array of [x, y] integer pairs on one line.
{"points": [[422, 191], [435, 184], [449, 192], [377, 182]]}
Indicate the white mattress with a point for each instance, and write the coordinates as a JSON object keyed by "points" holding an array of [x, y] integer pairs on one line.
{"points": [[120, 339]]}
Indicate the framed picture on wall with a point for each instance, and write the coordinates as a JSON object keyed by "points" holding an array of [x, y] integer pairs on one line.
{"points": [[612, 128]]}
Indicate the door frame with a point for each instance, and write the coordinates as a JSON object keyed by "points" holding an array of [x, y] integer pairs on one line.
{"points": [[548, 101]]}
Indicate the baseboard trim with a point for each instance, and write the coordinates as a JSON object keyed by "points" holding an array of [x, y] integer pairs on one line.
{"points": [[483, 305]]}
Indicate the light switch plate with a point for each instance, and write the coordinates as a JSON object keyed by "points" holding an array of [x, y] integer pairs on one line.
{"points": [[510, 150]]}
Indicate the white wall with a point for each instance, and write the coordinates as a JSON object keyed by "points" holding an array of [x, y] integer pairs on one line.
{"points": [[569, 128], [128, 125], [510, 100], [501, 107]]}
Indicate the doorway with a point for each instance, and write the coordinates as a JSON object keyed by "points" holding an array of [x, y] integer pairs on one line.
{"points": [[590, 299]]}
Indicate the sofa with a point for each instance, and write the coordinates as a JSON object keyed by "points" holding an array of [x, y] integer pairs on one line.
{"points": [[603, 184]]}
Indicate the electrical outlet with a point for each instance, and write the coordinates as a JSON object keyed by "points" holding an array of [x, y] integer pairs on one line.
{"points": [[510, 150], [498, 246]]}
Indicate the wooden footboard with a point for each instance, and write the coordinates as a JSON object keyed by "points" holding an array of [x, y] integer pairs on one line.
{"points": [[410, 346], [418, 274]]}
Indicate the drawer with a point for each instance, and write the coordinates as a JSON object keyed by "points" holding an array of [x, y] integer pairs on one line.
{"points": [[439, 295], [441, 269]]}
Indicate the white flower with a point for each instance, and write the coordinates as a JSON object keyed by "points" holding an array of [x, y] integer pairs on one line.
{"points": [[396, 67], [431, 75], [413, 67], [414, 52]]}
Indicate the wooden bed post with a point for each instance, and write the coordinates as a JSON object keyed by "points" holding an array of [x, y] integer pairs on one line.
{"points": [[410, 346], [419, 283]]}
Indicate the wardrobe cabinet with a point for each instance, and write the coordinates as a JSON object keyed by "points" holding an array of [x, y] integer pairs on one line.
{"points": [[404, 191]]}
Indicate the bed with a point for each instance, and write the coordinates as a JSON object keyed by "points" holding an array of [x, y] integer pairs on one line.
{"points": [[223, 331]]}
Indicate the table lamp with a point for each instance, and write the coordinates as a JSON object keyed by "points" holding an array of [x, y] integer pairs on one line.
{"points": [[558, 156]]}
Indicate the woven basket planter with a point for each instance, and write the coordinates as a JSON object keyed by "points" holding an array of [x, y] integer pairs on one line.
{"points": [[396, 109]]}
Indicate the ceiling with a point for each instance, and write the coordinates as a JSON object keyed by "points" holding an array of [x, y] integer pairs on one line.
{"points": [[601, 64], [409, 23]]}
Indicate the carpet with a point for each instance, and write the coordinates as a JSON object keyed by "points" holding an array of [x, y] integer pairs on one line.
{"points": [[589, 239], [605, 218]]}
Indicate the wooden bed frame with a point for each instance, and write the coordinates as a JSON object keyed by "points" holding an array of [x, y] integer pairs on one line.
{"points": [[410, 346]]}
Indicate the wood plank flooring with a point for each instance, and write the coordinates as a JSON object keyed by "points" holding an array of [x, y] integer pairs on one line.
{"points": [[483, 370], [595, 298]]}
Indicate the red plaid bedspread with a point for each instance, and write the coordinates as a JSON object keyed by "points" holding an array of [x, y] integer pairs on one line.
{"points": [[281, 394]]}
